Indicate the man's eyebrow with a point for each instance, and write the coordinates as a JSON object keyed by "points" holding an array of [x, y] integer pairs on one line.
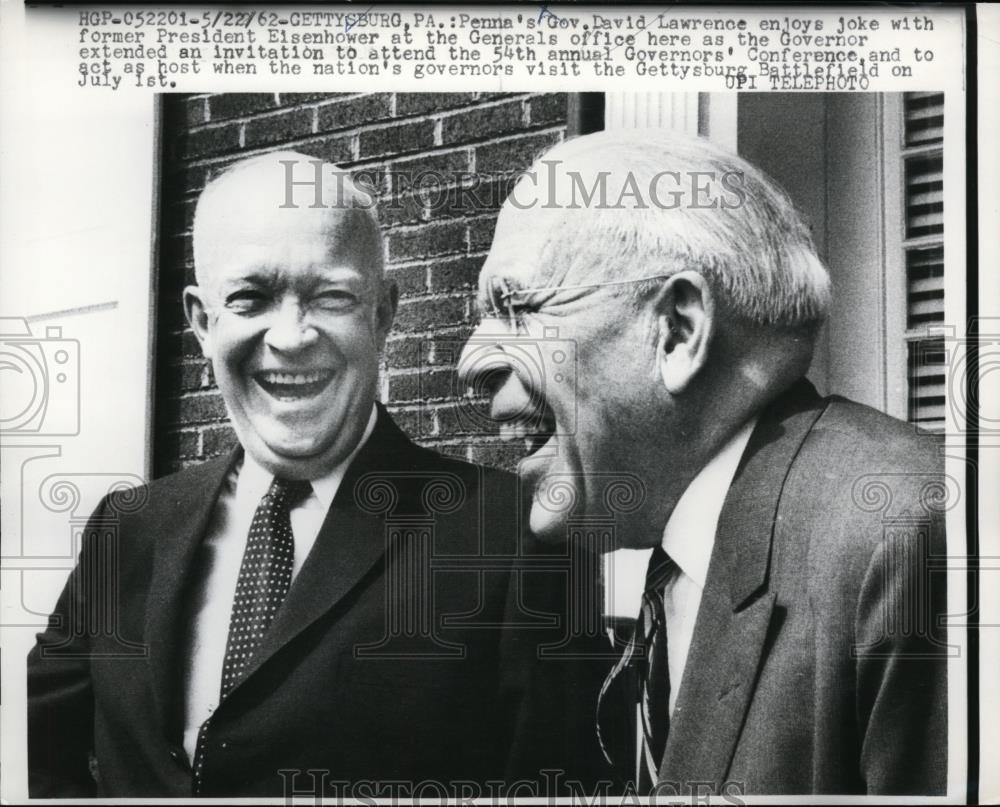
{"points": [[341, 274], [257, 277], [595, 285]]}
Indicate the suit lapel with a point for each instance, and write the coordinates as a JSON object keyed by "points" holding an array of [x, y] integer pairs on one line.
{"points": [[350, 543], [725, 655], [180, 530]]}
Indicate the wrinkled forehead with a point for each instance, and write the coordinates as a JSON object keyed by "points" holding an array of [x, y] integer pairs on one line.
{"points": [[529, 220], [546, 225], [519, 248]]}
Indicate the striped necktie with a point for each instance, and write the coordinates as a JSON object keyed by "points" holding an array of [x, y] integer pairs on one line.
{"points": [[646, 655]]}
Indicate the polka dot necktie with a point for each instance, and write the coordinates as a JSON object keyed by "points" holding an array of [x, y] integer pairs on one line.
{"points": [[647, 655], [265, 576], [264, 579]]}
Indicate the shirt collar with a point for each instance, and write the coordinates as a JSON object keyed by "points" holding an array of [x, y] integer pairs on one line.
{"points": [[690, 532], [254, 480]]}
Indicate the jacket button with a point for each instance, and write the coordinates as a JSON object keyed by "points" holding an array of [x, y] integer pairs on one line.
{"points": [[175, 755]]}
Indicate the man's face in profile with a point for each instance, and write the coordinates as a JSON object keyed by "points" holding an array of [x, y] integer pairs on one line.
{"points": [[567, 378], [289, 313]]}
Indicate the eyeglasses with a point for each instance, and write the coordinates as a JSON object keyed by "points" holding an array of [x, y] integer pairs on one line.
{"points": [[501, 303]]}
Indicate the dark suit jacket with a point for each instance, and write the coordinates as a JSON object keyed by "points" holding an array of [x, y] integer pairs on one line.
{"points": [[380, 665], [818, 662]]}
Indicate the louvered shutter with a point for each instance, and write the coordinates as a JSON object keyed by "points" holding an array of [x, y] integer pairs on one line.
{"points": [[923, 244]]}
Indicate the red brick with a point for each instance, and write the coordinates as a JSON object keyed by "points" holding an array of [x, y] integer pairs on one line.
{"points": [[482, 123], [282, 127], [398, 139], [417, 315], [238, 105], [345, 113], [427, 241]]}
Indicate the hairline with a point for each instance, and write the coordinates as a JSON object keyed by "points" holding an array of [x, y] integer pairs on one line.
{"points": [[800, 276]]}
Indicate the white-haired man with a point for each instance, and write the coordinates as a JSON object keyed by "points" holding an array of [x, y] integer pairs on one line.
{"points": [[784, 643], [296, 641]]}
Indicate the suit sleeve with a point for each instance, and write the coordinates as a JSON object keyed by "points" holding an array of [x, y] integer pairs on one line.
{"points": [[60, 696], [552, 700], [902, 687]]}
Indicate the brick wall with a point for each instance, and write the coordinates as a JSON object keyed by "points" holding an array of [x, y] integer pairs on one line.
{"points": [[435, 240]]}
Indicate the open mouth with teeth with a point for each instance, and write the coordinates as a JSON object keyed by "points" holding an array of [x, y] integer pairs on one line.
{"points": [[288, 386], [535, 429]]}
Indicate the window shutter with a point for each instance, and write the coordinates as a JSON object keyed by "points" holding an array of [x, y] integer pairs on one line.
{"points": [[923, 118], [923, 214], [924, 287], [924, 196], [926, 367]]}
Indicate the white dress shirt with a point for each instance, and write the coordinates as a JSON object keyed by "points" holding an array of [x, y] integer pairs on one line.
{"points": [[218, 563], [688, 538]]}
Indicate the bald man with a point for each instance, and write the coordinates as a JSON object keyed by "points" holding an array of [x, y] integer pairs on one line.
{"points": [[287, 632]]}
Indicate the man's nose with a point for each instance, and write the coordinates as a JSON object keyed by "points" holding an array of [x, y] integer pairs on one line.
{"points": [[485, 360], [290, 329]]}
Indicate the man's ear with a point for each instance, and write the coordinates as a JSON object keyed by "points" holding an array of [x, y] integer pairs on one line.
{"points": [[385, 313], [197, 315], [686, 322]]}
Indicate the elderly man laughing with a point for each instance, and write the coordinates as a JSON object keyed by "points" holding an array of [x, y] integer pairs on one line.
{"points": [[767, 655]]}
